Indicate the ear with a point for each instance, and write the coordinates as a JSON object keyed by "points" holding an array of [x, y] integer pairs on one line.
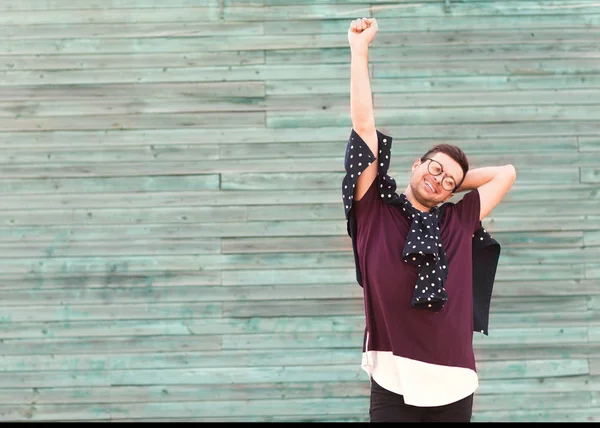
{"points": [[416, 164]]}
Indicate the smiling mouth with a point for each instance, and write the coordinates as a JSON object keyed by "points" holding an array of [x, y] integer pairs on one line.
{"points": [[429, 186]]}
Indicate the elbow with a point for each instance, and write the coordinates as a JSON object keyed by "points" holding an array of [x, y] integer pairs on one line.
{"points": [[510, 172]]}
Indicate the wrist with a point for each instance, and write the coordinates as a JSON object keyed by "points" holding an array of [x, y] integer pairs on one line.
{"points": [[359, 51]]}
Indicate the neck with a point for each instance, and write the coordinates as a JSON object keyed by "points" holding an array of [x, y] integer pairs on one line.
{"points": [[415, 203]]}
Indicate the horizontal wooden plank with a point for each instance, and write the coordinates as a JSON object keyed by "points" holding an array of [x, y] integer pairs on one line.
{"points": [[158, 45], [228, 419], [512, 304], [291, 244], [589, 144], [236, 43], [499, 8], [590, 175], [175, 327], [32, 5], [592, 271], [435, 84], [48, 62], [594, 331], [589, 414], [148, 153], [163, 74], [115, 248], [594, 366], [111, 107], [202, 230], [175, 360], [484, 68], [175, 393], [108, 345], [56, 412], [447, 23], [301, 308], [338, 116], [194, 409], [525, 336], [270, 3], [488, 98], [72, 311], [471, 50], [550, 256], [413, 10], [537, 351], [123, 216], [541, 401], [591, 238], [109, 184], [103, 30], [128, 91], [518, 369], [190, 376], [145, 121], [545, 288], [421, 74], [279, 407], [115, 15], [139, 294], [108, 280]]}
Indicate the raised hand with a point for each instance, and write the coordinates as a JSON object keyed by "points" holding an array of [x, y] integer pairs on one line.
{"points": [[361, 33]]}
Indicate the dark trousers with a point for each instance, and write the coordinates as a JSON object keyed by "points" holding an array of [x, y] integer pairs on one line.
{"points": [[386, 406]]}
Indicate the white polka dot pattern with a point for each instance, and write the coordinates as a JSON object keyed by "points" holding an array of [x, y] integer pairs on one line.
{"points": [[424, 249], [358, 158]]}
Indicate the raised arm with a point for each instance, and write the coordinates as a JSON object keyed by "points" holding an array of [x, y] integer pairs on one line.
{"points": [[492, 183], [360, 35]]}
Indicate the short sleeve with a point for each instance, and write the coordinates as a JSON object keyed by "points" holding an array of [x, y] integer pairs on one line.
{"points": [[468, 210], [358, 158]]}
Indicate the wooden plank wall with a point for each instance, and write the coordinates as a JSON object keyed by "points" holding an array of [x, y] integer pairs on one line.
{"points": [[172, 240]]}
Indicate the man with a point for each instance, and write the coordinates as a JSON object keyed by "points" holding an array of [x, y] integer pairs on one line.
{"points": [[416, 263]]}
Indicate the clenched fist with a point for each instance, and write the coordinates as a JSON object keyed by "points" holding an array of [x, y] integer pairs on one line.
{"points": [[361, 33]]}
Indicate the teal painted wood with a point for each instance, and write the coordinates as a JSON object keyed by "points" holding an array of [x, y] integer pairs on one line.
{"points": [[172, 244]]}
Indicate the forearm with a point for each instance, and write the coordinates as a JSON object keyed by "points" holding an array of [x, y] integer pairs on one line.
{"points": [[479, 176], [361, 102]]}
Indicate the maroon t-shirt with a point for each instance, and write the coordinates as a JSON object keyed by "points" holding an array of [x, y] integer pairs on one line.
{"points": [[444, 337]]}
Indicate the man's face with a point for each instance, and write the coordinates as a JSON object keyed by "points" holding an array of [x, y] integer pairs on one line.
{"points": [[428, 188]]}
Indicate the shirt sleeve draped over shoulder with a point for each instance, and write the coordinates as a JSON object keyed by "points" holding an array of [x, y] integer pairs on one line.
{"points": [[358, 158]]}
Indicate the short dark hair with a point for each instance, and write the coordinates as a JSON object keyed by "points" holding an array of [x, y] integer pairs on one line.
{"points": [[455, 153]]}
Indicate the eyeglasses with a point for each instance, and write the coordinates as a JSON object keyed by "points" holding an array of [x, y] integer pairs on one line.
{"points": [[435, 168]]}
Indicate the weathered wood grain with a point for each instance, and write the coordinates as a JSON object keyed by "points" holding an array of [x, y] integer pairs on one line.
{"points": [[172, 239]]}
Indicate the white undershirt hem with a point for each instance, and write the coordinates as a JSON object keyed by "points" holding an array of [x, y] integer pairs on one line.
{"points": [[421, 384]]}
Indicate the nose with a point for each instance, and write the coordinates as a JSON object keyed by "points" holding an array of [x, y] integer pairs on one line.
{"points": [[438, 178]]}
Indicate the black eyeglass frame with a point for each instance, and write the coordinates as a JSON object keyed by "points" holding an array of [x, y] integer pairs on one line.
{"points": [[456, 186]]}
